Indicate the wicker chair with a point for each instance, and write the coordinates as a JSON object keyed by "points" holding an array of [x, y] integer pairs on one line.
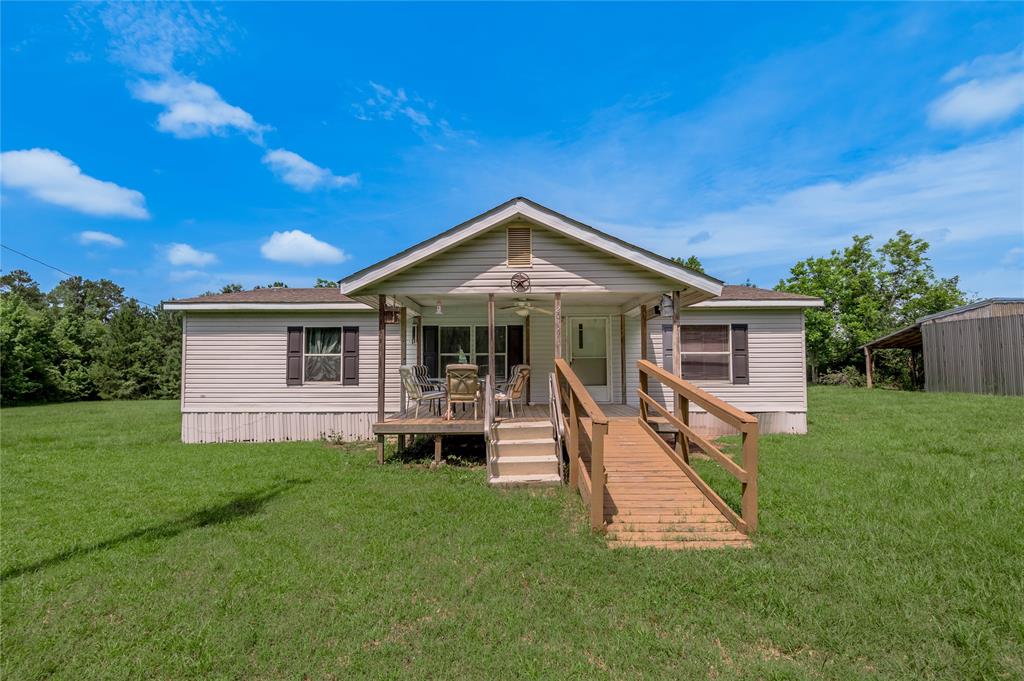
{"points": [[514, 389], [416, 392], [463, 382]]}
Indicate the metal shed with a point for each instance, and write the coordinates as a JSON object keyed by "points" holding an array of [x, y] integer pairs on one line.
{"points": [[977, 348]]}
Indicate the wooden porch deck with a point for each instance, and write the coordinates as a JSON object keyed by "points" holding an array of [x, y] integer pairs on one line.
{"points": [[463, 423]]}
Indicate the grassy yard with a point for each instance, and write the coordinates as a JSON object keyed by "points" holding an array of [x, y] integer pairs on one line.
{"points": [[891, 546]]}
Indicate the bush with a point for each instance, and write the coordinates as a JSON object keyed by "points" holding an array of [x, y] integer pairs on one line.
{"points": [[848, 376]]}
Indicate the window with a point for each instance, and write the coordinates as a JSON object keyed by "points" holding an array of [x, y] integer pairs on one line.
{"points": [[705, 352], [468, 345], [322, 361], [519, 244], [500, 350]]}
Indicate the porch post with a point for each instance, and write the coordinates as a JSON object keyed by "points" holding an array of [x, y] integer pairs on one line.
{"points": [[682, 405], [381, 361], [643, 355], [418, 323], [526, 355], [403, 347], [622, 356], [558, 325], [493, 370]]}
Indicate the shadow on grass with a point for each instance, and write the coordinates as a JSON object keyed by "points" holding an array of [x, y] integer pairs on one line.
{"points": [[456, 450], [242, 506]]}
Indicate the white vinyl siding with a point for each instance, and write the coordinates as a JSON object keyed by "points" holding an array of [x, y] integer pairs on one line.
{"points": [[236, 363], [558, 264], [776, 342]]}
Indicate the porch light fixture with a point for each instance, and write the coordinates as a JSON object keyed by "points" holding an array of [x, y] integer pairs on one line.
{"points": [[522, 311], [438, 309]]}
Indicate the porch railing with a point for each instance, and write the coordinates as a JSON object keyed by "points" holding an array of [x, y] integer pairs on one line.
{"points": [[585, 426], [683, 393], [557, 419]]}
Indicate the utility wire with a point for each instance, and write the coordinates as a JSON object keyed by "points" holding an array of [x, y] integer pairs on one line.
{"points": [[46, 264]]}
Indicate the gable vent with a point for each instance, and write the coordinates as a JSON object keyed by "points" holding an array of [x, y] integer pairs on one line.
{"points": [[520, 247]]}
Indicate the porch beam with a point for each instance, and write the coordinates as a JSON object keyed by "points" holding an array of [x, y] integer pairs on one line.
{"points": [[409, 303], [381, 361]]}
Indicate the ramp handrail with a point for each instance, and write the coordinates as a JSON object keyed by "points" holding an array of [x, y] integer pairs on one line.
{"points": [[683, 393], [577, 407]]}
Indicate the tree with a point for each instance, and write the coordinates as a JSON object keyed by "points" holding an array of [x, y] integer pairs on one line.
{"points": [[22, 283], [325, 283], [276, 284], [26, 361], [693, 263], [868, 294]]}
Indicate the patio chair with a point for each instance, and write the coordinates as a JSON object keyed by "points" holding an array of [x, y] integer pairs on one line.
{"points": [[463, 382], [416, 392], [514, 389]]}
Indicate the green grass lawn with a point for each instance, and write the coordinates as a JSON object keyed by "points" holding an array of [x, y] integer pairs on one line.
{"points": [[891, 546]]}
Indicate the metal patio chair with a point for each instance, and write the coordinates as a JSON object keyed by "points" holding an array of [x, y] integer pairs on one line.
{"points": [[514, 389], [463, 381], [416, 391]]}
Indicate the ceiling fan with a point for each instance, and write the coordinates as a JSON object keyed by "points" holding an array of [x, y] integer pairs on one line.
{"points": [[523, 308]]}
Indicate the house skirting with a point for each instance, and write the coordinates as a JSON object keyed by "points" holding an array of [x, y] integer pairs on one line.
{"points": [[791, 422], [264, 426]]}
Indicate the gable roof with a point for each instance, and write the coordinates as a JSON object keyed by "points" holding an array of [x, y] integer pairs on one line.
{"points": [[751, 296], [270, 299], [911, 337], [525, 208]]}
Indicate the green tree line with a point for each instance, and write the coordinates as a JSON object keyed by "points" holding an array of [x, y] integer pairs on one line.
{"points": [[84, 340]]}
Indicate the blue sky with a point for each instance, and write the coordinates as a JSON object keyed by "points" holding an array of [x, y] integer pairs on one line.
{"points": [[175, 148]]}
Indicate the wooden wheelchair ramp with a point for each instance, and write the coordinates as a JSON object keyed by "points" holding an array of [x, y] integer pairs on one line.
{"points": [[641, 491], [650, 501]]}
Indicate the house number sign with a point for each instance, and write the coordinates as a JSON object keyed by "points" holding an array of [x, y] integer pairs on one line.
{"points": [[521, 282]]}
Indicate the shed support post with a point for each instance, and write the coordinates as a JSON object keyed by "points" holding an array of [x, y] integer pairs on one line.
{"points": [[437, 450], [869, 367], [381, 361]]}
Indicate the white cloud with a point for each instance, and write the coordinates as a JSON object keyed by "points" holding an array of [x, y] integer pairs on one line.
{"points": [[194, 109], [303, 175], [51, 177], [957, 197], [89, 237], [993, 93], [386, 103], [301, 248], [183, 254], [149, 36]]}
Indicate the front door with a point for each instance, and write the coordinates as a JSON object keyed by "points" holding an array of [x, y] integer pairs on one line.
{"points": [[588, 354]]}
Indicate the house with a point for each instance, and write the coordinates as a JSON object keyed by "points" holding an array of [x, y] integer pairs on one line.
{"points": [[976, 348], [594, 317], [742, 344]]}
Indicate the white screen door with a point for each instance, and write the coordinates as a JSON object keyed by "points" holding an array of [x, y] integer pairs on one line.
{"points": [[588, 354]]}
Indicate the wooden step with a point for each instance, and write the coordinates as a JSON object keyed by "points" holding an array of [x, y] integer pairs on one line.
{"points": [[547, 479], [679, 535], [681, 545], [542, 464], [531, 447], [523, 430]]}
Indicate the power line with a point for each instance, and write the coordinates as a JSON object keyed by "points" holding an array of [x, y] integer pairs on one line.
{"points": [[46, 264]]}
